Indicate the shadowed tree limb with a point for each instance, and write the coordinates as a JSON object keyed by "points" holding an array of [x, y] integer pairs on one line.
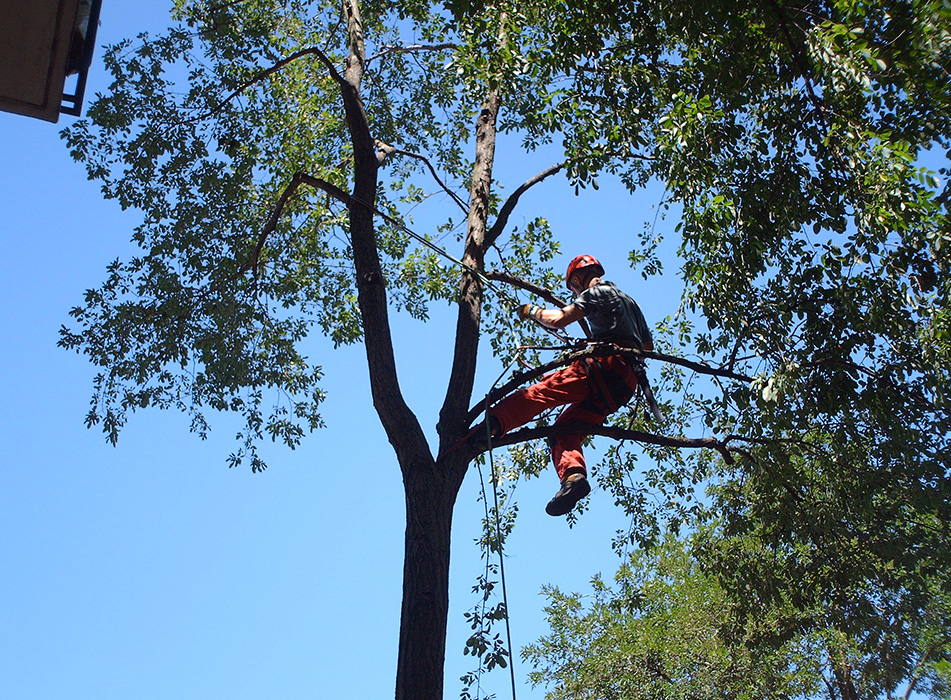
{"points": [[507, 208], [300, 178], [546, 294], [412, 48]]}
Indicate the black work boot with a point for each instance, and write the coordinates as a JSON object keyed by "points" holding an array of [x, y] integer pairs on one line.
{"points": [[574, 487]]}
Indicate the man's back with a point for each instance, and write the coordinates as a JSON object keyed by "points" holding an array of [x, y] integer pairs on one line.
{"points": [[613, 315]]}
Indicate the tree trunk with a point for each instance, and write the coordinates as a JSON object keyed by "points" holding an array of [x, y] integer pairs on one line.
{"points": [[430, 497], [431, 486], [459, 392]]}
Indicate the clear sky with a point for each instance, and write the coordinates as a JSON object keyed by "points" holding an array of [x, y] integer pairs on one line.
{"points": [[152, 571]]}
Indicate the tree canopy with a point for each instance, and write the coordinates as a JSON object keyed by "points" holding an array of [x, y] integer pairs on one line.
{"points": [[667, 629], [813, 246]]}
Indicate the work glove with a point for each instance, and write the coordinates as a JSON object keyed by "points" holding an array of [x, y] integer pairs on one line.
{"points": [[526, 311]]}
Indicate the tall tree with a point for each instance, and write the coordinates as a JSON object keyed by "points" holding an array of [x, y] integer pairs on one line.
{"points": [[253, 134]]}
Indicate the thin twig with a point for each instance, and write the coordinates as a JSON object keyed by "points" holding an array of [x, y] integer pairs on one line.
{"points": [[386, 150]]}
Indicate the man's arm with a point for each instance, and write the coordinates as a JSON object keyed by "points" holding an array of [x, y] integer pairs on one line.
{"points": [[559, 318]]}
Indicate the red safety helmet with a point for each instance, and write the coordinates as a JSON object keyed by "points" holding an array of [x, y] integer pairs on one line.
{"points": [[583, 261]]}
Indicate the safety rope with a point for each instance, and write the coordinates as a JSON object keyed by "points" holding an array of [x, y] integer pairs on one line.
{"points": [[437, 249], [498, 526]]}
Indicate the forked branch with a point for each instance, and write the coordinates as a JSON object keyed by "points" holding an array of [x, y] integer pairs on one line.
{"points": [[502, 220]]}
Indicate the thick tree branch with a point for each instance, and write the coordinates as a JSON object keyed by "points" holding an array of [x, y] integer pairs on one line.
{"points": [[412, 48], [387, 150], [526, 434], [462, 376], [546, 294], [502, 220], [593, 349], [401, 425]]}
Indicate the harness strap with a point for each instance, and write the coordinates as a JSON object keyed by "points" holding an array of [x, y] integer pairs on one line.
{"points": [[614, 386], [599, 386]]}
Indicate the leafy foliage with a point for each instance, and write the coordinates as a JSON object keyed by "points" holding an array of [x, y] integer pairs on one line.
{"points": [[658, 634], [669, 629], [813, 248]]}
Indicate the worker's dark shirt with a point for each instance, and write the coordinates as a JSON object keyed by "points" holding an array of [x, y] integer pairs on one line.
{"points": [[613, 315]]}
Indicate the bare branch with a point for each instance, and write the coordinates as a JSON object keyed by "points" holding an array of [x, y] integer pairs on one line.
{"points": [[545, 294], [526, 434], [413, 48], [502, 220], [507, 278], [699, 367], [387, 150], [299, 179], [312, 51]]}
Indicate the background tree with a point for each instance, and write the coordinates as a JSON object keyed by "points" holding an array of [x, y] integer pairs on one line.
{"points": [[813, 251], [658, 634], [669, 630]]}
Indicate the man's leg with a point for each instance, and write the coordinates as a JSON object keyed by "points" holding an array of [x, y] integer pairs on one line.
{"points": [[568, 385], [568, 458]]}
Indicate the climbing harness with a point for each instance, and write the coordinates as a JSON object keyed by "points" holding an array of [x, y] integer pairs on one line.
{"points": [[614, 385]]}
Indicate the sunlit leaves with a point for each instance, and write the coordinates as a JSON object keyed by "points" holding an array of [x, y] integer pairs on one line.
{"points": [[659, 632]]}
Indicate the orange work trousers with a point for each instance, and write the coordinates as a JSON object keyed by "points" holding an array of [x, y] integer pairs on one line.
{"points": [[573, 386]]}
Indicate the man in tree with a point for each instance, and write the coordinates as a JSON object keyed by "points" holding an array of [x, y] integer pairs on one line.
{"points": [[594, 387]]}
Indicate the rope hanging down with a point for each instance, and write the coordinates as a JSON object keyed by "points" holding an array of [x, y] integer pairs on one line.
{"points": [[498, 529]]}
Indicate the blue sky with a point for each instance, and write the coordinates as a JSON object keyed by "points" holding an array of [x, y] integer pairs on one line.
{"points": [[151, 570]]}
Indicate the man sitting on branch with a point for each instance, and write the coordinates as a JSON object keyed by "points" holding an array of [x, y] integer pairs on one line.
{"points": [[593, 387]]}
